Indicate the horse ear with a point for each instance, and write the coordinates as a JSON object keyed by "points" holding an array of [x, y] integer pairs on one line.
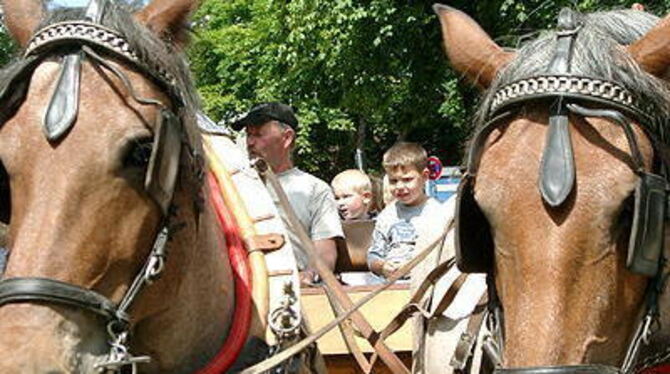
{"points": [[471, 51], [168, 18], [22, 18], [652, 51]]}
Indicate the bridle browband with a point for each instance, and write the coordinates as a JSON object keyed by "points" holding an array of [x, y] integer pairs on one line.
{"points": [[85, 38], [571, 94]]}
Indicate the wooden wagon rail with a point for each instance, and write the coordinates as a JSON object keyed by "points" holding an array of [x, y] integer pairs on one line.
{"points": [[379, 312]]}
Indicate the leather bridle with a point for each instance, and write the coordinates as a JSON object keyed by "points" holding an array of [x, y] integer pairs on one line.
{"points": [[571, 94], [89, 39]]}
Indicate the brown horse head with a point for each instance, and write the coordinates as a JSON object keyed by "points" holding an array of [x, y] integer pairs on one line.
{"points": [[559, 259], [82, 212]]}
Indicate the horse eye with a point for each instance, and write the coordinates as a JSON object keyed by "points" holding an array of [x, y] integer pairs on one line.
{"points": [[138, 154], [625, 218]]}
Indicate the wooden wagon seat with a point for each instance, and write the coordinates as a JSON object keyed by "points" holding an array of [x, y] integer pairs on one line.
{"points": [[352, 252]]}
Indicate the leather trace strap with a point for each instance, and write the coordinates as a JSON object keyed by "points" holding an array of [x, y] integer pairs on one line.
{"points": [[414, 305], [466, 343]]}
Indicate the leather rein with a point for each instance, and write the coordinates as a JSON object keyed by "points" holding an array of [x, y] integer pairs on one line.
{"points": [[85, 38]]}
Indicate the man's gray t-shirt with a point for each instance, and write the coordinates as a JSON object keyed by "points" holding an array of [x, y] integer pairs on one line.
{"points": [[314, 204], [399, 227]]}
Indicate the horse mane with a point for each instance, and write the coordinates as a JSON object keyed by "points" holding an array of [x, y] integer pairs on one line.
{"points": [[148, 47], [597, 53]]}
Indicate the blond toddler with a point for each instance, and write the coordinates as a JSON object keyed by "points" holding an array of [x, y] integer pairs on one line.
{"points": [[353, 194]]}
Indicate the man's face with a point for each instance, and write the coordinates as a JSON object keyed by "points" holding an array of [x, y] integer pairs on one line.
{"points": [[270, 141], [407, 185]]}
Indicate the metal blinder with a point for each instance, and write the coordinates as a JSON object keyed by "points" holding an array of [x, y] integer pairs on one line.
{"points": [[164, 161], [645, 246], [473, 240], [648, 231]]}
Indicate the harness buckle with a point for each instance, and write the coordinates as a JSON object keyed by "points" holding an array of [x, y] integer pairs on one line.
{"points": [[284, 321], [119, 356]]}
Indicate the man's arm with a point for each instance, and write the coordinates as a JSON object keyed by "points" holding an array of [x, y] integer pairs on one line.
{"points": [[325, 227], [327, 251]]}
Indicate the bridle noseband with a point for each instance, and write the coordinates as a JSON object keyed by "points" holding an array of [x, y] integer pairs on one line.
{"points": [[568, 93], [84, 39]]}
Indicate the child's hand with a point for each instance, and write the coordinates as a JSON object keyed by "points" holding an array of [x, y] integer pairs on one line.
{"points": [[390, 267]]}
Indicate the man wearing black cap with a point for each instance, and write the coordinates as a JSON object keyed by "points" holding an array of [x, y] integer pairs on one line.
{"points": [[271, 132]]}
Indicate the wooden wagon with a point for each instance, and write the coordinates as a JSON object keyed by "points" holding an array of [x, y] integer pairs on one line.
{"points": [[353, 269], [275, 267]]}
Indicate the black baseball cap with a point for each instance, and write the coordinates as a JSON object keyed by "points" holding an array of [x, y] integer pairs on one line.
{"points": [[264, 112]]}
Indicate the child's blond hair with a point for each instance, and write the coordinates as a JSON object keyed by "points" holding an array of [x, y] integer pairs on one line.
{"points": [[354, 179], [405, 154]]}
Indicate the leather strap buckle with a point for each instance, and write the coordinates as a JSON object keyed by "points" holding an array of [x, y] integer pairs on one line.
{"points": [[265, 242]]}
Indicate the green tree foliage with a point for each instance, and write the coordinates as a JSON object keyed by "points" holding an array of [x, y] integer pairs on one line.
{"points": [[7, 45], [348, 63]]}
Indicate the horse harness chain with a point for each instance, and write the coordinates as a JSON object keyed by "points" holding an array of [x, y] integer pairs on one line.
{"points": [[474, 241], [84, 38]]}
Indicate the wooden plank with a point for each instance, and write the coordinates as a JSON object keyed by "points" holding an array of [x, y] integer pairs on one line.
{"points": [[345, 364], [379, 312]]}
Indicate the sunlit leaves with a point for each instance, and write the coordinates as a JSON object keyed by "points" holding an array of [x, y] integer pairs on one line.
{"points": [[348, 63]]}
